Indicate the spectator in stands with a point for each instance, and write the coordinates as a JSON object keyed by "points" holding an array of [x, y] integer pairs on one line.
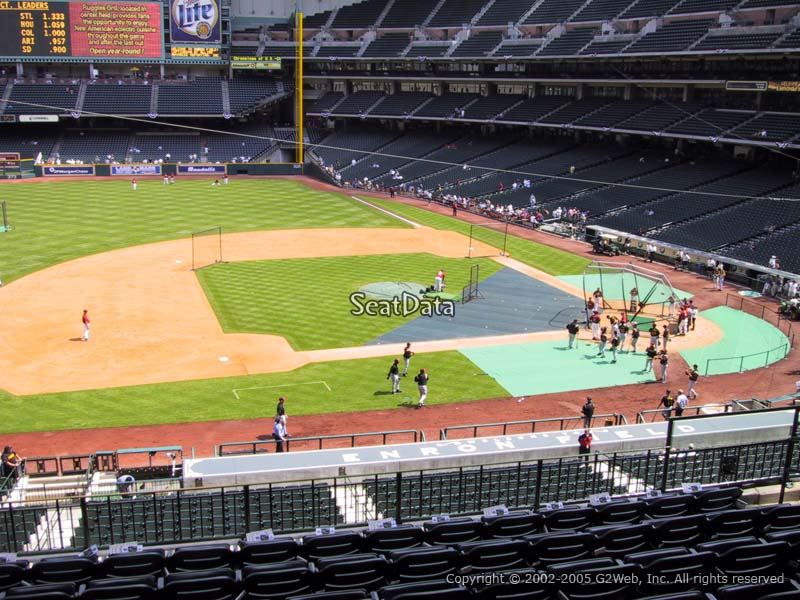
{"points": [[585, 443], [667, 402], [588, 412], [125, 484], [279, 434], [773, 262], [11, 462]]}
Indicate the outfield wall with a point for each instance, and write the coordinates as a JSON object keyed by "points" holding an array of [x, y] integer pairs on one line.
{"points": [[704, 432], [143, 170]]}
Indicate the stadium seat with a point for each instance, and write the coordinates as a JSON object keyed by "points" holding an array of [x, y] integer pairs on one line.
{"points": [[277, 580], [279, 549], [455, 531], [695, 595], [791, 537], [532, 585], [200, 558], [734, 523], [758, 591], [679, 531], [753, 560], [553, 548], [396, 538], [568, 519], [131, 588], [618, 579], [358, 571], [48, 591], [722, 546], [11, 574], [783, 517], [494, 555], [617, 541], [331, 544], [149, 562], [706, 501], [345, 595], [512, 525], [618, 513], [62, 570], [424, 564], [689, 565], [219, 584], [669, 505], [401, 590]]}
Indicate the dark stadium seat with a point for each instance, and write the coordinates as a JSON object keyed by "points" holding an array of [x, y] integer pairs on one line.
{"points": [[494, 555], [344, 595], [219, 584], [758, 591], [455, 531], [618, 513], [331, 544], [512, 525], [149, 562], [357, 571], [569, 519], [618, 580], [200, 558], [734, 523], [277, 580], [279, 549], [530, 584], [396, 538], [552, 548], [668, 573], [706, 501], [669, 505], [62, 570], [754, 560], [402, 590], [49, 591], [783, 517], [130, 588], [791, 537], [694, 595], [618, 540], [11, 574], [424, 564], [679, 531]]}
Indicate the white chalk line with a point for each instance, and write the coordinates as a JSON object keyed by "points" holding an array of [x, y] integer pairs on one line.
{"points": [[268, 387], [388, 212]]}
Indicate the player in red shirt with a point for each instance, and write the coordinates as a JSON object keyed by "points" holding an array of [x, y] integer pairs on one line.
{"points": [[133, 184], [225, 179], [85, 321], [440, 280]]}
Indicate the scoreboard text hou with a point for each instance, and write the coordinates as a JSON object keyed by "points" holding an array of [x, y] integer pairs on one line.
{"points": [[80, 29]]}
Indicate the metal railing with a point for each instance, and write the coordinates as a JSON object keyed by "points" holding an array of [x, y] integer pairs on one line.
{"points": [[516, 427], [651, 415], [180, 516], [348, 440], [755, 360]]}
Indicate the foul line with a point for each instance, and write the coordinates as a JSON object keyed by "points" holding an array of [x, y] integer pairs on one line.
{"points": [[388, 212], [267, 387]]}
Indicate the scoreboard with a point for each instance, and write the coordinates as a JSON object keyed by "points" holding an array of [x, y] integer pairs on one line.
{"points": [[40, 29]]}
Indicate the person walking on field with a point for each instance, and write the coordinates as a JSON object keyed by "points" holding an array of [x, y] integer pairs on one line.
{"points": [[693, 375], [281, 410], [665, 337], [664, 361], [85, 320], [422, 383], [602, 344], [407, 354], [654, 335], [635, 333], [623, 335], [394, 375], [667, 402], [614, 346], [651, 356], [133, 184], [279, 434], [680, 403], [572, 329], [440, 275], [588, 412]]}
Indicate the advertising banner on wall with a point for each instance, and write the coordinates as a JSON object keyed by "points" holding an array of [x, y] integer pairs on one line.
{"points": [[201, 170], [135, 169], [195, 21], [67, 170]]}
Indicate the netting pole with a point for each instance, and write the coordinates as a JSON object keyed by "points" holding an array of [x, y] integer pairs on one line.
{"points": [[220, 243], [469, 249], [5, 217], [505, 240]]}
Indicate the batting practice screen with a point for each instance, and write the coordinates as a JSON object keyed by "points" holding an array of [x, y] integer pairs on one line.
{"points": [[81, 29]]}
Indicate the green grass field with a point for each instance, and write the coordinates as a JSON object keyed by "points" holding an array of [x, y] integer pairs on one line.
{"points": [[306, 300], [58, 221], [547, 259], [453, 379]]}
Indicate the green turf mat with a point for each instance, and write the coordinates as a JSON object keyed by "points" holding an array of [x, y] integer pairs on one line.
{"points": [[615, 283], [444, 296], [747, 343], [550, 367]]}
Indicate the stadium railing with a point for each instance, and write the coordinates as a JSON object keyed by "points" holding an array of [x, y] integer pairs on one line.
{"points": [[651, 415], [319, 442], [516, 427], [160, 517]]}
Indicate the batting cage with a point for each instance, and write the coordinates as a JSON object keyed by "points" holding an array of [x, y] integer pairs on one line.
{"points": [[206, 247], [491, 234], [635, 292]]}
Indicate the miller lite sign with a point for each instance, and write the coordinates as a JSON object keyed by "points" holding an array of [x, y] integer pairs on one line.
{"points": [[195, 21]]}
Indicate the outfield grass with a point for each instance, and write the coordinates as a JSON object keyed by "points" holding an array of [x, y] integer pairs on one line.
{"points": [[453, 379], [547, 259], [306, 300], [58, 221]]}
